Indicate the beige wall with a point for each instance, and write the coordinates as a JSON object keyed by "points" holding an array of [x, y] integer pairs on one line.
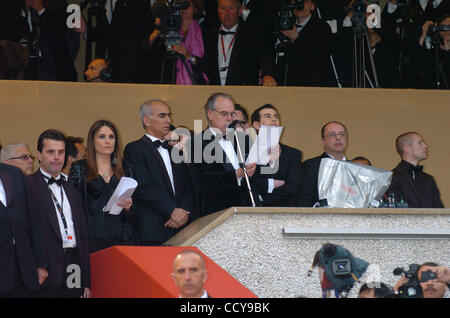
{"points": [[374, 118]]}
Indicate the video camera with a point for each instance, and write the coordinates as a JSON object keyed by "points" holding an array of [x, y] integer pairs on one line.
{"points": [[412, 288], [285, 19], [170, 20], [433, 32]]}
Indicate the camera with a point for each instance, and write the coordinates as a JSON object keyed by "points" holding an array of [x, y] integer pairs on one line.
{"points": [[341, 267], [412, 288], [433, 32], [285, 19], [170, 21], [359, 9]]}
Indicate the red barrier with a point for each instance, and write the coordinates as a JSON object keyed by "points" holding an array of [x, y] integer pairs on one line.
{"points": [[145, 272]]}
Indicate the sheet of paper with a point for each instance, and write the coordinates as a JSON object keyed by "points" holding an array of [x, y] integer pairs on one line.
{"points": [[267, 138], [124, 190]]}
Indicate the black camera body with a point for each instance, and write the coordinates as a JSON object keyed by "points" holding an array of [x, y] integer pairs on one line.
{"points": [[433, 32], [285, 19], [171, 22], [412, 288]]}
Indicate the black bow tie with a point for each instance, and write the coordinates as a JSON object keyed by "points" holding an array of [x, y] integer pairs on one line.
{"points": [[222, 32], [53, 180], [158, 143]]}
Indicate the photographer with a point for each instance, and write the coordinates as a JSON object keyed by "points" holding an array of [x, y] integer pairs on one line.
{"points": [[191, 47], [308, 50], [431, 288]]}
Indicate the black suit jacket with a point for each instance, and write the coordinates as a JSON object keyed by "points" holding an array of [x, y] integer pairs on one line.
{"points": [[154, 198], [44, 207], [250, 54], [309, 57], [21, 239], [308, 191], [288, 166], [421, 193], [216, 179]]}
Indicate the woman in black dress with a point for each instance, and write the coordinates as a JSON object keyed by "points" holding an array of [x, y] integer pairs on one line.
{"points": [[104, 170]]}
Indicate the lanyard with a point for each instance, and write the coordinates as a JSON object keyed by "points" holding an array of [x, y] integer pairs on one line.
{"points": [[223, 46], [59, 207]]}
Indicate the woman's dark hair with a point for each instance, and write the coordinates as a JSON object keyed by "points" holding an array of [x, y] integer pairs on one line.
{"points": [[116, 157]]}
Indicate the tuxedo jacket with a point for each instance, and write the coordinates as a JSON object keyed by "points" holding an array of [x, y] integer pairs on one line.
{"points": [[154, 198], [421, 193], [288, 169], [216, 179], [250, 54], [308, 193], [44, 207], [21, 238], [309, 57]]}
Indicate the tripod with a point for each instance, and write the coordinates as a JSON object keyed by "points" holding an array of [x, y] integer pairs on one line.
{"points": [[171, 58], [360, 44]]}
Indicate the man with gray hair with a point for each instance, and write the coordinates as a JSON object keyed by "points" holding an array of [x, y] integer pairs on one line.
{"points": [[164, 197], [217, 166], [408, 180], [18, 155]]}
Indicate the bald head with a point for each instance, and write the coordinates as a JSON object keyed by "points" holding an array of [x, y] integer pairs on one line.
{"points": [[411, 147], [189, 273]]}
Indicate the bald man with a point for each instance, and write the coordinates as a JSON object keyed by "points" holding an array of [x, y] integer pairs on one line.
{"points": [[409, 181], [189, 273]]}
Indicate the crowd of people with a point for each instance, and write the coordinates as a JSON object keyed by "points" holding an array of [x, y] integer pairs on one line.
{"points": [[231, 42], [54, 216]]}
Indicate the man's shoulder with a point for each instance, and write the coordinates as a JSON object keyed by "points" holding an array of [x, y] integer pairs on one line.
{"points": [[314, 160], [135, 144], [10, 169]]}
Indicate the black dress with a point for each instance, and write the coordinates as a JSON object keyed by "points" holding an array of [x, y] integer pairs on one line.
{"points": [[104, 229]]}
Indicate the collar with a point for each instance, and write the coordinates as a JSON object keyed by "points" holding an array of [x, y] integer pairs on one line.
{"points": [[153, 138], [213, 130], [343, 159], [233, 29], [48, 176], [304, 22], [205, 294], [410, 166]]}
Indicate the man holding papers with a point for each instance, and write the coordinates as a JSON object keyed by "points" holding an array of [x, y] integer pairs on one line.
{"points": [[217, 160], [164, 196], [278, 181]]}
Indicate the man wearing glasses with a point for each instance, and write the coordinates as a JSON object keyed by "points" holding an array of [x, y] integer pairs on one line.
{"points": [[218, 166], [18, 155], [334, 141]]}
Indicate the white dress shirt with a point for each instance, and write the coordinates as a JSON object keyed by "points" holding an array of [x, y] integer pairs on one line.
{"points": [[69, 238], [228, 44], [227, 146], [165, 155], [2, 193]]}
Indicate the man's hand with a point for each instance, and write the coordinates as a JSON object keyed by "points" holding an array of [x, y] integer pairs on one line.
{"points": [[125, 203], [443, 274], [181, 49], [425, 28], [42, 275], [275, 153], [251, 168], [278, 183], [87, 293], [177, 219], [292, 34]]}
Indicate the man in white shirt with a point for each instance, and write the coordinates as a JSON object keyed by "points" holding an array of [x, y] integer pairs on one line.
{"points": [[62, 219], [164, 198], [218, 165]]}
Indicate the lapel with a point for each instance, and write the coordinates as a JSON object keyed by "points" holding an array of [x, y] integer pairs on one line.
{"points": [[49, 207], [7, 185], [73, 208], [161, 164], [236, 52]]}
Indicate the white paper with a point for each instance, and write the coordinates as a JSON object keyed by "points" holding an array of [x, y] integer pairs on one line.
{"points": [[124, 190], [268, 137]]}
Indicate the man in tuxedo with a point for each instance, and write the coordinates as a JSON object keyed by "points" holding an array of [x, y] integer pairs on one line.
{"points": [[217, 163], [307, 48], [164, 196], [334, 141], [62, 219], [409, 181], [22, 253], [279, 185], [189, 274], [234, 53], [18, 155]]}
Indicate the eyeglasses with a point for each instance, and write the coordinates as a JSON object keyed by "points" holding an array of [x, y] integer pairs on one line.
{"points": [[23, 157], [333, 135], [225, 114]]}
